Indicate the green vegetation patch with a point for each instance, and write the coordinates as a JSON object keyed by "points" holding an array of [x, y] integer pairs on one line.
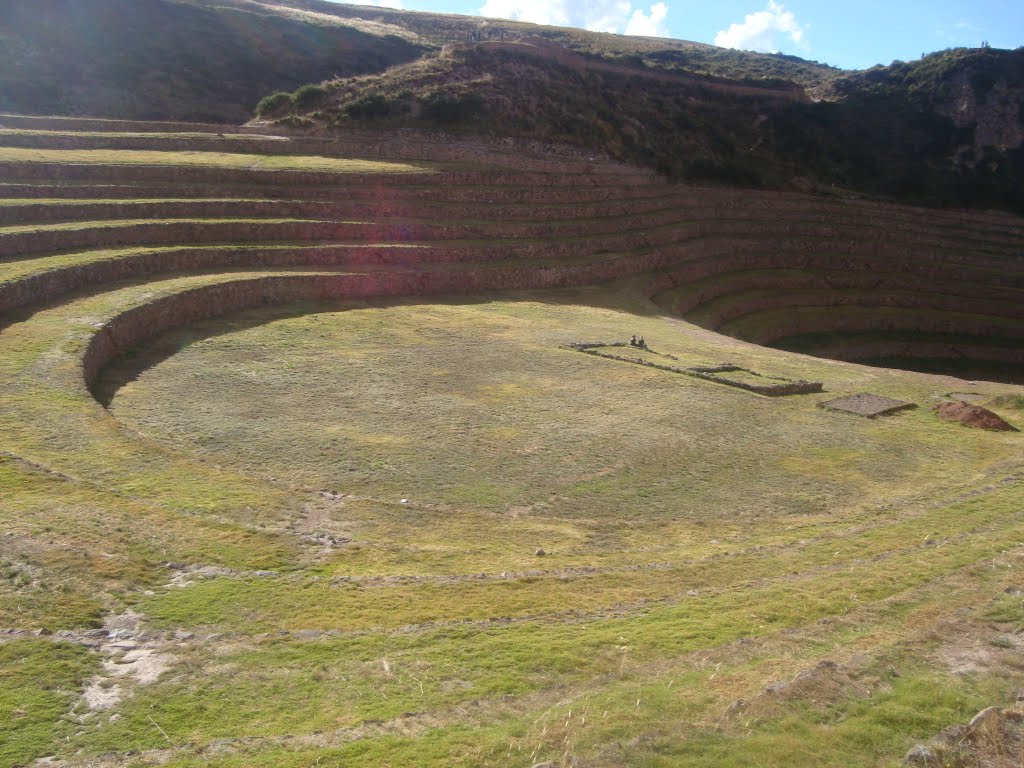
{"points": [[39, 680], [421, 401], [203, 159], [423, 532]]}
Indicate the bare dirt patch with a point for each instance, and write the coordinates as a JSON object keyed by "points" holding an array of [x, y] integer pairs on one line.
{"points": [[131, 660], [971, 415]]}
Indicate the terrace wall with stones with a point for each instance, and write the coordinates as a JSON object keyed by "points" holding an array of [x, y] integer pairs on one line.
{"points": [[761, 266]]}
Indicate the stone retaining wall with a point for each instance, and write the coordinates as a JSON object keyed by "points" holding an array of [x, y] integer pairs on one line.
{"points": [[684, 299], [395, 150], [740, 306], [424, 189], [773, 386], [958, 349], [99, 172], [157, 315], [797, 323], [361, 207]]}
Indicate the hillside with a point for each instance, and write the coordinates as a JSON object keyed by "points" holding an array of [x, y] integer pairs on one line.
{"points": [[177, 59], [542, 91], [213, 61], [945, 130], [948, 130]]}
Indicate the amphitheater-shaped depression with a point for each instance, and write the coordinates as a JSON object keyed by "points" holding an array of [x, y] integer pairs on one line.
{"points": [[291, 350]]}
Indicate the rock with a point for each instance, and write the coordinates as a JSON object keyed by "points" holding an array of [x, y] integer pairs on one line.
{"points": [[42, 632], [265, 574], [540, 552], [989, 713], [693, 593], [548, 764], [951, 734], [919, 755]]}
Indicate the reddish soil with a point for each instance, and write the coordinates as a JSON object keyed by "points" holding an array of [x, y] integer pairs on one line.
{"points": [[972, 416]]}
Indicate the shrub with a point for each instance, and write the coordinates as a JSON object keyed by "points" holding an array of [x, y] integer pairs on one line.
{"points": [[309, 97], [453, 110], [369, 107], [273, 104]]}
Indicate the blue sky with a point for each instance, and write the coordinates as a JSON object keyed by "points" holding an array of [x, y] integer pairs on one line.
{"points": [[853, 34]]}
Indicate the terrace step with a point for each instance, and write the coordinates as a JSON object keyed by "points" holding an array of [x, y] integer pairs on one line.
{"points": [[33, 281], [55, 123], [14, 212], [166, 170], [371, 147], [768, 326], [735, 306]]}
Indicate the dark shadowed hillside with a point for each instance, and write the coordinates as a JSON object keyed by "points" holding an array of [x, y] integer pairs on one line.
{"points": [[206, 60], [946, 130], [680, 123], [166, 59]]}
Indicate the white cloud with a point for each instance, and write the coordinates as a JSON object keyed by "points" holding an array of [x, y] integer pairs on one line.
{"points": [[961, 33], [759, 31], [649, 24], [597, 16]]}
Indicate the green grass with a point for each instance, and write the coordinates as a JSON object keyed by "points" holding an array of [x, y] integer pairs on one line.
{"points": [[38, 682], [663, 582], [493, 385], [118, 223], [203, 159], [328, 517], [132, 134]]}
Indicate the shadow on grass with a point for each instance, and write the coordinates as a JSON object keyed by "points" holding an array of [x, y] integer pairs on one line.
{"points": [[917, 352]]}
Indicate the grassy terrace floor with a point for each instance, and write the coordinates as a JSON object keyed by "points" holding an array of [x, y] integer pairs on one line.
{"points": [[202, 159], [418, 531]]}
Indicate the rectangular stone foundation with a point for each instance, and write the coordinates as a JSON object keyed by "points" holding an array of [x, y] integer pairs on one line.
{"points": [[867, 405], [773, 386]]}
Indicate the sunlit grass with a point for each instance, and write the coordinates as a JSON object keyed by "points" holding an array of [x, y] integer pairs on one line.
{"points": [[203, 159], [424, 532]]}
